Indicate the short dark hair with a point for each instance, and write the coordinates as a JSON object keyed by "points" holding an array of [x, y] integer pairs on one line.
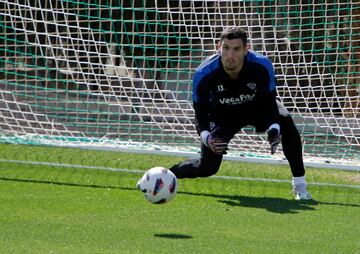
{"points": [[231, 33]]}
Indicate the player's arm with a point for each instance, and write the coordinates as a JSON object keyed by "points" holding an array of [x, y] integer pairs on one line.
{"points": [[202, 106], [273, 131], [201, 103], [267, 97]]}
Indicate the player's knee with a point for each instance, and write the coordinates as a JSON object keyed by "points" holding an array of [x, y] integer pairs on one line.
{"points": [[209, 169], [282, 110], [209, 172]]}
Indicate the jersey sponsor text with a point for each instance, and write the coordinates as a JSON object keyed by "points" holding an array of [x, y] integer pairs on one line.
{"points": [[242, 98]]}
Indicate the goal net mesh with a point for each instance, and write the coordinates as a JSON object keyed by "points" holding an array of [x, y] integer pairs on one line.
{"points": [[118, 73]]}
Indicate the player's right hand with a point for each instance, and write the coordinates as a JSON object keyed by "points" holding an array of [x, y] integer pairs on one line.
{"points": [[217, 145]]}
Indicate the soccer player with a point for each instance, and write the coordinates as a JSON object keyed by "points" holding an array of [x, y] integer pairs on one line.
{"points": [[234, 88]]}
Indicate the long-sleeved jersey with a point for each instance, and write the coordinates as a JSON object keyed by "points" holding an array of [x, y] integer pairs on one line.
{"points": [[248, 99]]}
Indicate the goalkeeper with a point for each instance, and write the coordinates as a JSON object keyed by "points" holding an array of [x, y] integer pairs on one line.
{"points": [[234, 88]]}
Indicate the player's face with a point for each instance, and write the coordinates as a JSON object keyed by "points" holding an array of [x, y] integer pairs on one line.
{"points": [[232, 54]]}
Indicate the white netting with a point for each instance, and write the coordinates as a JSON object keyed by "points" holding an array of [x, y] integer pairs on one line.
{"points": [[118, 73]]}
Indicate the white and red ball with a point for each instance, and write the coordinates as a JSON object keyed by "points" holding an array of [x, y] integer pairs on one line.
{"points": [[159, 185]]}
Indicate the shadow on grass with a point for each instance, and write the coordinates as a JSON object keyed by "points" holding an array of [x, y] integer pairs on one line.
{"points": [[64, 183], [271, 204], [173, 236], [275, 205]]}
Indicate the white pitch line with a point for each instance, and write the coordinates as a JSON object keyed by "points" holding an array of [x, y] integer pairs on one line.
{"points": [[239, 178], [64, 165]]}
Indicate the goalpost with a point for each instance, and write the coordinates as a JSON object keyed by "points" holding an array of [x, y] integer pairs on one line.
{"points": [[117, 74]]}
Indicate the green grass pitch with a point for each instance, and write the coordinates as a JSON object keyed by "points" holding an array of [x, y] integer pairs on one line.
{"points": [[61, 207]]}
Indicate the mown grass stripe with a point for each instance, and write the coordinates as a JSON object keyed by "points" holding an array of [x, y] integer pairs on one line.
{"points": [[239, 178]]}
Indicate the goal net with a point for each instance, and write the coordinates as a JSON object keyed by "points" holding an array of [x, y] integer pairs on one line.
{"points": [[118, 74]]}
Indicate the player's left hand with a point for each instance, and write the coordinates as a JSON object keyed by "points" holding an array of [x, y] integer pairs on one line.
{"points": [[274, 139]]}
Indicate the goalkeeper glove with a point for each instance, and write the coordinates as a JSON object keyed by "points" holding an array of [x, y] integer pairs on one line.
{"points": [[274, 137], [215, 144]]}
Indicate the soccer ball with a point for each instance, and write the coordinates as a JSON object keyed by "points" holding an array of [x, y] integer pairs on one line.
{"points": [[158, 184]]}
